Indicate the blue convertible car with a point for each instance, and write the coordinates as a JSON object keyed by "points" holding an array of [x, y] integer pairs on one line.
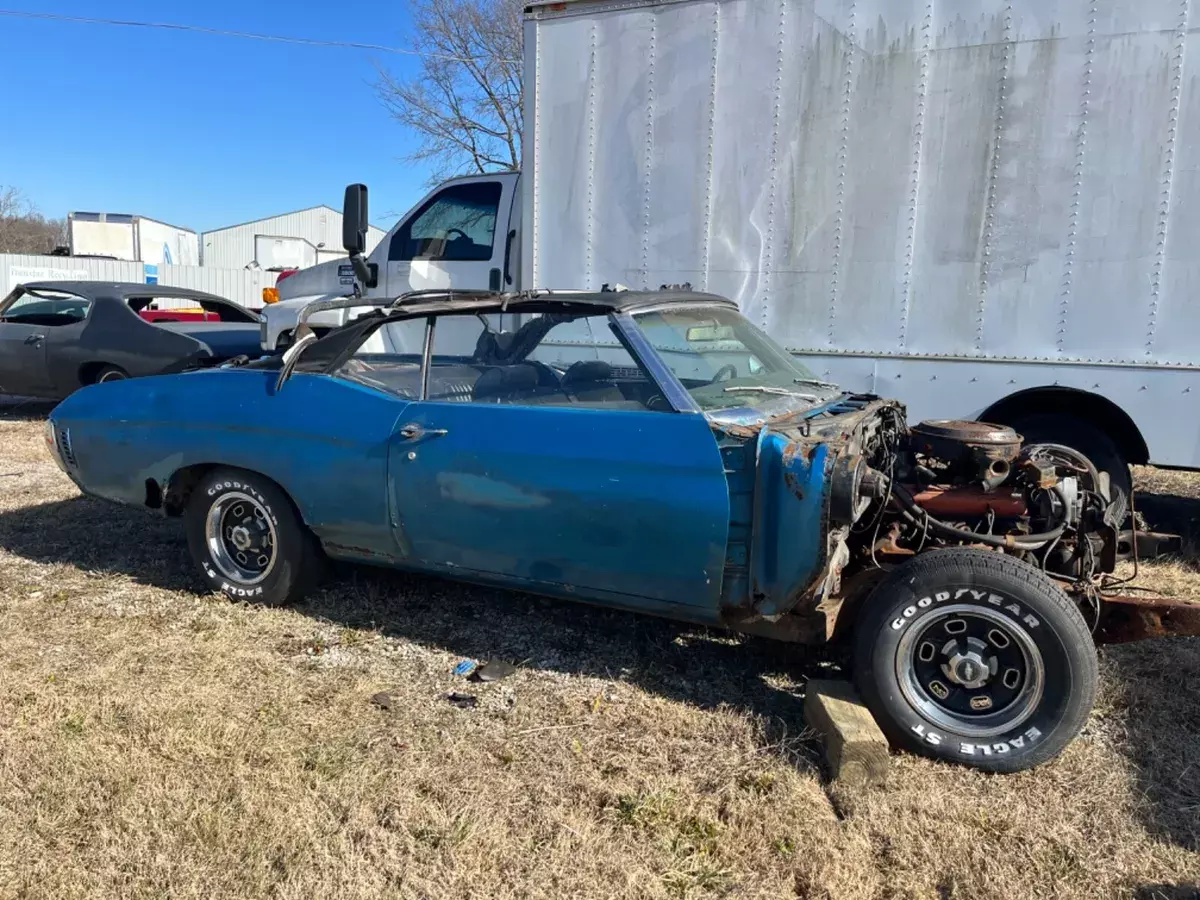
{"points": [[654, 451]]}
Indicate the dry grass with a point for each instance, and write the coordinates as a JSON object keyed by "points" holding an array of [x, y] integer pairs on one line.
{"points": [[156, 741]]}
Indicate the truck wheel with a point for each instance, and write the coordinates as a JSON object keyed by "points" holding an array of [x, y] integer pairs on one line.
{"points": [[111, 373], [248, 540], [1102, 450], [974, 657]]}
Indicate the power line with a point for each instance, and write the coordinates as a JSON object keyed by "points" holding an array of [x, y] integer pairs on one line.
{"points": [[224, 32]]}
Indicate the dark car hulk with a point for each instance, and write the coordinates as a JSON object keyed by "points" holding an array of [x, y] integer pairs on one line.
{"points": [[57, 336]]}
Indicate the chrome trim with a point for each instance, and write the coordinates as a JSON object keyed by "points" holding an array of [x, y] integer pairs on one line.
{"points": [[672, 388]]}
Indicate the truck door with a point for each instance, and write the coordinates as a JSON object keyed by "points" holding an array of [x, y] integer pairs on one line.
{"points": [[457, 238]]}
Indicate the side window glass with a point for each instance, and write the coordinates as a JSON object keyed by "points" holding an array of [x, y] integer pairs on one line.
{"points": [[551, 360], [389, 359], [46, 308], [456, 225]]}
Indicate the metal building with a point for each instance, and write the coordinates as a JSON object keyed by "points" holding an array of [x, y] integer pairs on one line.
{"points": [[292, 240]]}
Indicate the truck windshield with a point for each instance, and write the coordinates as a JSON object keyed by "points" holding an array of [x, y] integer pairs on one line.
{"points": [[726, 363]]}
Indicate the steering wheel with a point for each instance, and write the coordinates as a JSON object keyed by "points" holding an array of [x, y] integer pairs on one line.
{"points": [[727, 371], [458, 231]]}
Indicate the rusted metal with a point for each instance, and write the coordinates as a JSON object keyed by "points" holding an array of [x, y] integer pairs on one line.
{"points": [[970, 502], [1150, 544], [887, 545], [989, 449], [1129, 618], [738, 431]]}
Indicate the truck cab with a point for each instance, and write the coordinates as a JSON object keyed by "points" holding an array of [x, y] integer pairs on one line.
{"points": [[462, 234]]}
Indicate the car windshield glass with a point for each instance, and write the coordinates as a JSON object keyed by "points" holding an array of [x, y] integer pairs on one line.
{"points": [[727, 363]]}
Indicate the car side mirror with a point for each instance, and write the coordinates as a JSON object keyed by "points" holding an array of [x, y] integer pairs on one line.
{"points": [[354, 220]]}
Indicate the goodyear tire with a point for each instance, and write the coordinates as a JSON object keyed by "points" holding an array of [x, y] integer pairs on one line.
{"points": [[974, 657], [247, 539]]}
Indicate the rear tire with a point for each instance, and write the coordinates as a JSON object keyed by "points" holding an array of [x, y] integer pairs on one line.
{"points": [[1081, 435], [248, 540], [973, 657]]}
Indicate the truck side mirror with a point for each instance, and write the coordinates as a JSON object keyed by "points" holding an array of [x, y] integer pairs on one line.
{"points": [[354, 220]]}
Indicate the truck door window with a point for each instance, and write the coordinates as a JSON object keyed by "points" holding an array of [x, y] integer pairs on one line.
{"points": [[458, 224]]}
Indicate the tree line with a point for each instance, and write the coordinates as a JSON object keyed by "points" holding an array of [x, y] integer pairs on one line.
{"points": [[23, 229]]}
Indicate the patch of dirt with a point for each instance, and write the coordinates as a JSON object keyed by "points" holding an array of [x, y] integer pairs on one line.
{"points": [[156, 740]]}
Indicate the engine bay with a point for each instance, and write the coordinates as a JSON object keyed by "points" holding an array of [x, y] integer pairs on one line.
{"points": [[962, 483]]}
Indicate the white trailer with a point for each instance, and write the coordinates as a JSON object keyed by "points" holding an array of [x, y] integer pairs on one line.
{"points": [[277, 253], [132, 238], [986, 209]]}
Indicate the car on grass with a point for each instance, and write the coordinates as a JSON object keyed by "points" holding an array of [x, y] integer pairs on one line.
{"points": [[58, 336], [647, 450]]}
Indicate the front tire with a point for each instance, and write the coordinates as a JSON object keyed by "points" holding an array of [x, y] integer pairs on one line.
{"points": [[247, 539], [111, 373], [973, 657]]}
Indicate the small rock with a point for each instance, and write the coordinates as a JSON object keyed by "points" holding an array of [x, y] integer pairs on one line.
{"points": [[463, 701], [494, 670], [382, 700]]}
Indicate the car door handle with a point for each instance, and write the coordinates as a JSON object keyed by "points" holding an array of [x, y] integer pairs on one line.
{"points": [[413, 432], [35, 339]]}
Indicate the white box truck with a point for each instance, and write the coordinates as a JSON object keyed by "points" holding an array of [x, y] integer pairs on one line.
{"points": [[132, 238], [986, 209]]}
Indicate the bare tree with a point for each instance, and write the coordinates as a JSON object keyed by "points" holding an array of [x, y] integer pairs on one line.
{"points": [[25, 230], [465, 101]]}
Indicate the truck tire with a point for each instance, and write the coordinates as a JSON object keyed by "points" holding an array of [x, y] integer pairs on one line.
{"points": [[1081, 435], [973, 657], [248, 540]]}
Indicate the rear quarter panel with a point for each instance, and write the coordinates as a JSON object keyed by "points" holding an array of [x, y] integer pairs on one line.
{"points": [[323, 440], [113, 334]]}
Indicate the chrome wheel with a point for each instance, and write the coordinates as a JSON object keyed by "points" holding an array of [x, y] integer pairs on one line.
{"points": [[971, 669], [111, 375], [241, 538]]}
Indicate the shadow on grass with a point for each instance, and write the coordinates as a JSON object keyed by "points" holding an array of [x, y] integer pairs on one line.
{"points": [[24, 409], [687, 663], [1174, 514], [1157, 693], [1156, 683], [1168, 892]]}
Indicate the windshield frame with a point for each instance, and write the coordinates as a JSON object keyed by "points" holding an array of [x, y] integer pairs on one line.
{"points": [[330, 352], [765, 406], [327, 355]]}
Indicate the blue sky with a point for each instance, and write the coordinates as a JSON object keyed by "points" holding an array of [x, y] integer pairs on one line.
{"points": [[199, 130]]}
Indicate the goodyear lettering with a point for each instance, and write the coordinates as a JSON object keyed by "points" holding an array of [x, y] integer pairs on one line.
{"points": [[978, 596]]}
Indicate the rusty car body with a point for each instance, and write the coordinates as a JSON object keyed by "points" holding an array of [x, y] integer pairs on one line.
{"points": [[654, 451]]}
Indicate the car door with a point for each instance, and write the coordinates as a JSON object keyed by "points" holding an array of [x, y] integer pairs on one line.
{"points": [[23, 359], [456, 238], [587, 492], [26, 320]]}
